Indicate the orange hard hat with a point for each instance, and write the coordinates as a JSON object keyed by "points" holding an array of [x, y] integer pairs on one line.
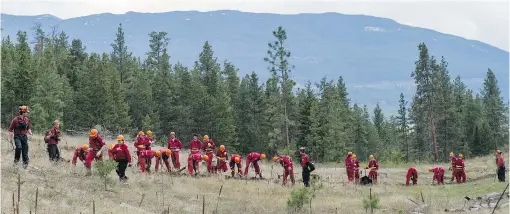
{"points": [[275, 158], [205, 157], [263, 156], [141, 133], [168, 152], [206, 137], [354, 156], [222, 148], [85, 147], [149, 133], [430, 169], [237, 160], [110, 147], [120, 137], [93, 132], [158, 154]]}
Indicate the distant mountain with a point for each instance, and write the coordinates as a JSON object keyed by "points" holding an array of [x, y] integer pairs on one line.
{"points": [[375, 56]]}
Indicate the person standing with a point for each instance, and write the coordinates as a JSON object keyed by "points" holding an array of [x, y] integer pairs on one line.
{"points": [[122, 155], [500, 163], [307, 167], [53, 137], [18, 130], [96, 146]]}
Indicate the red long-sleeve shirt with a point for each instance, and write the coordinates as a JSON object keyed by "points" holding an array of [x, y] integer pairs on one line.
{"points": [[285, 161], [121, 152], [222, 156], [208, 146], [373, 163], [356, 163], [174, 144], [438, 172], [195, 145], [140, 141], [253, 157], [501, 161], [348, 162], [54, 135], [452, 161], [97, 142], [410, 172], [459, 163], [14, 125]]}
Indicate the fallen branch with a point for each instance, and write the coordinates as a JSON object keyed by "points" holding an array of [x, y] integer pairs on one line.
{"points": [[500, 199]]}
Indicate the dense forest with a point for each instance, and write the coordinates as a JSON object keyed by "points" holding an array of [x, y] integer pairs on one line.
{"points": [[120, 94]]}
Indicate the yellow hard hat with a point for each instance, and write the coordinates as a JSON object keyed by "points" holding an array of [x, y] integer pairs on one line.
{"points": [[158, 154], [93, 132], [222, 148], [451, 154], [353, 155], [263, 156], [149, 133], [172, 133], [110, 147], [237, 159], [206, 137], [120, 137], [275, 158], [430, 169], [85, 147], [141, 133], [371, 157], [168, 152]]}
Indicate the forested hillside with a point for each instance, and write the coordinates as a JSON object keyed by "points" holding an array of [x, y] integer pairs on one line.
{"points": [[123, 93], [373, 55]]}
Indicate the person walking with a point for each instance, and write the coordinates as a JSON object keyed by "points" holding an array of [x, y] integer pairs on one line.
{"points": [[18, 130]]}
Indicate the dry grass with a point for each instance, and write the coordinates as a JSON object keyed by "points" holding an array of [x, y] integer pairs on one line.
{"points": [[65, 189]]}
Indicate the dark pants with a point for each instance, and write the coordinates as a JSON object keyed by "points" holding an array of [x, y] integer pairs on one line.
{"points": [[53, 152], [21, 142], [121, 169], [307, 169], [501, 173]]}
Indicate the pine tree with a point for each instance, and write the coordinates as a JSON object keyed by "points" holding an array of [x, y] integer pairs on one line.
{"points": [[493, 110], [9, 81], [121, 56], [403, 126]]}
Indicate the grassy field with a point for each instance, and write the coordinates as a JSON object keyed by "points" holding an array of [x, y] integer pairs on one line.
{"points": [[65, 189]]}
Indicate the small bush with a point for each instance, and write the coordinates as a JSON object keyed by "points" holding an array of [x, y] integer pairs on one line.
{"points": [[298, 198], [371, 203], [104, 168]]}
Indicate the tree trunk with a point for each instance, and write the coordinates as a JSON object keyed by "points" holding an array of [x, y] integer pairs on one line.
{"points": [[433, 130]]}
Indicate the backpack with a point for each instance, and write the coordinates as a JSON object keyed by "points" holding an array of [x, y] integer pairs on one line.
{"points": [[22, 124]]}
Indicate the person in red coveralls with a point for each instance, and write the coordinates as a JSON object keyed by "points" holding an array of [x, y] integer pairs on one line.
{"points": [[80, 152], [194, 147], [235, 160], [355, 163], [500, 163], [222, 156], [140, 142], [20, 126], [307, 166], [438, 174], [175, 146], [150, 140], [208, 148], [110, 151], [163, 154], [145, 160], [349, 167], [453, 168], [412, 174], [196, 158], [254, 158], [459, 165], [288, 168], [52, 138], [374, 167], [96, 144], [122, 155]]}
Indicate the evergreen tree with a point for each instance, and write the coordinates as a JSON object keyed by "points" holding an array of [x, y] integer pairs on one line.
{"points": [[493, 111], [403, 126], [121, 56]]}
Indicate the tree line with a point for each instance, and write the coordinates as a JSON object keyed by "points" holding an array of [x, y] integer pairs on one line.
{"points": [[121, 94]]}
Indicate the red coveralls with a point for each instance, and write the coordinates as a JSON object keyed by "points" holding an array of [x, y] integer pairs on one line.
{"points": [[96, 143], [194, 147], [460, 174], [356, 170], [208, 148], [373, 172], [175, 145], [438, 175], [288, 169], [147, 142], [79, 153], [145, 160], [140, 140], [253, 158], [349, 167], [121, 154], [222, 158], [196, 158], [412, 174], [453, 159], [233, 164], [165, 158]]}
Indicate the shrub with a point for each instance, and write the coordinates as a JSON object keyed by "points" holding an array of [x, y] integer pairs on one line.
{"points": [[104, 168], [298, 198]]}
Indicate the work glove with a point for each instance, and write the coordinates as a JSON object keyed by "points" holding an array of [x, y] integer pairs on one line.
{"points": [[98, 154]]}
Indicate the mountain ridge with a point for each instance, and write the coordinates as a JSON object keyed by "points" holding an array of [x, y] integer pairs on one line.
{"points": [[364, 50]]}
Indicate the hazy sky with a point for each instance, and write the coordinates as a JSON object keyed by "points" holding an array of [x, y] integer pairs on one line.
{"points": [[486, 21]]}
